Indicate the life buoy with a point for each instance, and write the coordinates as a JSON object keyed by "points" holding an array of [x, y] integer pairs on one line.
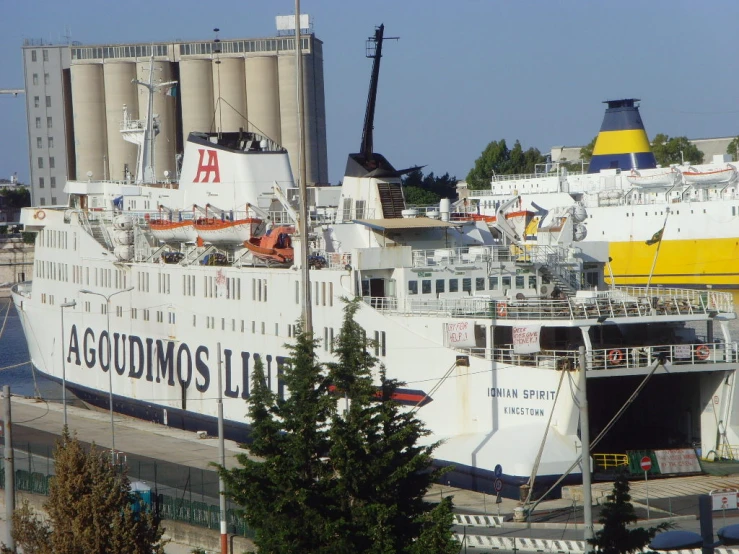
{"points": [[702, 352], [502, 310], [615, 356], [40, 214]]}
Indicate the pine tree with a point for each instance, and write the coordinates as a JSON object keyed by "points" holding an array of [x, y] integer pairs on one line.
{"points": [[89, 509], [288, 497], [618, 513], [383, 473], [340, 469]]}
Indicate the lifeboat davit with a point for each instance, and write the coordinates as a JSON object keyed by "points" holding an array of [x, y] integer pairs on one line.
{"points": [[275, 246]]}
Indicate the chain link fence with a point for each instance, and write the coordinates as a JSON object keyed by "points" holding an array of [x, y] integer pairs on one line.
{"points": [[178, 493]]}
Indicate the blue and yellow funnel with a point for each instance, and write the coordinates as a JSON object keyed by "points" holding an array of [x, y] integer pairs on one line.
{"points": [[622, 142]]}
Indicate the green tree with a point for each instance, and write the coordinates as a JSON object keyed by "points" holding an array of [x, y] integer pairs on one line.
{"points": [[618, 513], [586, 152], [423, 190], [675, 150], [340, 469], [497, 159], [89, 509], [733, 149], [288, 498], [16, 197]]}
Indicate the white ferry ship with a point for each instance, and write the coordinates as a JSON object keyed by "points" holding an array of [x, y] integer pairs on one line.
{"points": [[482, 328], [629, 199]]}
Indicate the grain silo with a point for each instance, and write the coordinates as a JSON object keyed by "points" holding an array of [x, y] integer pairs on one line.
{"points": [[88, 109], [229, 91], [164, 107], [196, 80], [119, 92], [263, 96], [314, 120], [289, 108]]}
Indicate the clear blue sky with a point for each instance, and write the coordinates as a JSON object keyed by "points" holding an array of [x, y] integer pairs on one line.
{"points": [[463, 73]]}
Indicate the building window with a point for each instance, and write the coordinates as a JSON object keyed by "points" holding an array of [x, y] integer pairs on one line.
{"points": [[43, 201], [53, 182], [35, 78], [453, 285], [467, 284], [480, 283], [48, 101], [40, 163], [38, 123], [36, 102], [440, 283], [45, 55], [412, 285], [33, 55], [48, 122], [39, 142], [40, 182], [52, 164], [53, 200], [426, 286], [51, 142], [46, 78]]}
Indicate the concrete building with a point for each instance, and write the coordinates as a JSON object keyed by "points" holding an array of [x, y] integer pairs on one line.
{"points": [[48, 113], [76, 96]]}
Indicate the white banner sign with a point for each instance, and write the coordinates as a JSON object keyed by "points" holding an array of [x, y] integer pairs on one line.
{"points": [[526, 339], [460, 334], [682, 351], [683, 460]]}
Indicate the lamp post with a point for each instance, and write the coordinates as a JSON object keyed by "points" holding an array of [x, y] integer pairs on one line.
{"points": [[70, 304], [110, 363]]}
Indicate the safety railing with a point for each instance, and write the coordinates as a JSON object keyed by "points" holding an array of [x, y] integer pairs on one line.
{"points": [[607, 461], [495, 253], [611, 304], [613, 358]]}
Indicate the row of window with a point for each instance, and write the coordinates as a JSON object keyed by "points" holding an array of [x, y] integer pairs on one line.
{"points": [[50, 238], [40, 142], [37, 102], [44, 54], [131, 51], [52, 162], [36, 79], [49, 122], [480, 284]]}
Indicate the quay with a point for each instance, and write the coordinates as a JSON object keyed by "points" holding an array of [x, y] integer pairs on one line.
{"points": [[483, 524]]}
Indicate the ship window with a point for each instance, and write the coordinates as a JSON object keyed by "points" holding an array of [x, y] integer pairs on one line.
{"points": [[194, 320], [253, 326], [506, 282], [359, 209], [263, 328], [297, 292], [223, 324], [160, 317], [331, 339], [453, 285], [532, 281], [382, 343], [146, 315], [330, 294], [39, 142], [323, 294], [134, 313], [277, 329], [119, 311], [412, 287], [480, 283], [467, 284], [377, 343], [242, 325], [325, 339], [426, 286], [440, 285], [520, 281]]}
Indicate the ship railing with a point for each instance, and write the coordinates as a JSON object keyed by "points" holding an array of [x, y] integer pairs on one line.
{"points": [[551, 255], [320, 259], [597, 306], [613, 358]]}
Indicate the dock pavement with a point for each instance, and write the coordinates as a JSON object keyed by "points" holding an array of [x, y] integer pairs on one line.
{"points": [[478, 514]]}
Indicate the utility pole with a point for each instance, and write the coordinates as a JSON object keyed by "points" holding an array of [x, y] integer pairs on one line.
{"points": [[587, 499], [9, 470], [221, 460]]}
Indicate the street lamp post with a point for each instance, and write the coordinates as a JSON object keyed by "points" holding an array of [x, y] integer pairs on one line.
{"points": [[110, 363], [70, 304]]}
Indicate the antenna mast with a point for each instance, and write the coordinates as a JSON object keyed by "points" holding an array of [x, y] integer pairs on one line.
{"points": [[374, 50]]}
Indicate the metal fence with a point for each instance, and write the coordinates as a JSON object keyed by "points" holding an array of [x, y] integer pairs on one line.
{"points": [[178, 493]]}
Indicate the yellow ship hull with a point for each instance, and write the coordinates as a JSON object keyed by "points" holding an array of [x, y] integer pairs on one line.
{"points": [[699, 263]]}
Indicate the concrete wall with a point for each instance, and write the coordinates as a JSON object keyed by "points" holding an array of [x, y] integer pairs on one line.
{"points": [[16, 261]]}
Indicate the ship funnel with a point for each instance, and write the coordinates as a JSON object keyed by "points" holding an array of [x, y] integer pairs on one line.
{"points": [[622, 142]]}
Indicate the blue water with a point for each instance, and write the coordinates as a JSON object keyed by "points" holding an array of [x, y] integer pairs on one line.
{"points": [[23, 380]]}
